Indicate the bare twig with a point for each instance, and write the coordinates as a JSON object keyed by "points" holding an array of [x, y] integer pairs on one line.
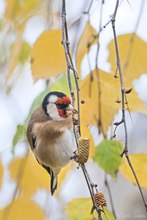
{"points": [[90, 5], [70, 67], [110, 195], [100, 124], [125, 152]]}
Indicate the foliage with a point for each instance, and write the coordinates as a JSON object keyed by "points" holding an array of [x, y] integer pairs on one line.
{"points": [[45, 61], [30, 181], [82, 208], [108, 156], [139, 162], [1, 174], [87, 36], [23, 208], [100, 96]]}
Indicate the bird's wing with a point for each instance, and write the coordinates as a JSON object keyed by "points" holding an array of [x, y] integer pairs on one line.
{"points": [[37, 116], [49, 128]]}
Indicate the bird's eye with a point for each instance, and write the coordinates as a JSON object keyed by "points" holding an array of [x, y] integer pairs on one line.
{"points": [[62, 106], [58, 105]]}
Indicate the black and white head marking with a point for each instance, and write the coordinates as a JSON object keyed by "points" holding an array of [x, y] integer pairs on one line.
{"points": [[49, 105]]}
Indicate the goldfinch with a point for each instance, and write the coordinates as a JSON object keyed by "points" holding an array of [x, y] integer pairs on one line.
{"points": [[50, 134]]}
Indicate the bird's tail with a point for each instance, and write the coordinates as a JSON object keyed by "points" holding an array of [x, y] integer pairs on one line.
{"points": [[54, 180], [54, 176]]}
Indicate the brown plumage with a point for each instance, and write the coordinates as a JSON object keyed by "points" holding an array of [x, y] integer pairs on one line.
{"points": [[50, 134]]}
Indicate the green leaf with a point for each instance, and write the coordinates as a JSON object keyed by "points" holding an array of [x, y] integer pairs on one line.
{"points": [[24, 53], [20, 132], [36, 103], [81, 208], [61, 84], [107, 214], [108, 156]]}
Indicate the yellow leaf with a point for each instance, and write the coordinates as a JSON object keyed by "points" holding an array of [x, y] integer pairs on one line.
{"points": [[32, 176], [1, 174], [47, 55], [89, 92], [20, 52], [81, 208], [16, 9], [139, 162], [23, 209], [133, 59], [110, 92], [82, 48]]}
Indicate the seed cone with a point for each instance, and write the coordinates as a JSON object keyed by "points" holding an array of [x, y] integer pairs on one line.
{"points": [[100, 199], [83, 151]]}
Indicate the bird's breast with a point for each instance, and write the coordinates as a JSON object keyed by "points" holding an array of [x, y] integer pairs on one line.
{"points": [[56, 153]]}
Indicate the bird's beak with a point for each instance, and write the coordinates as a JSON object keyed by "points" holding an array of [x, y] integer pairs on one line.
{"points": [[70, 110]]}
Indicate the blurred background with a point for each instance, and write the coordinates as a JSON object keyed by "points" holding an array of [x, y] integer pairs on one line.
{"points": [[24, 186]]}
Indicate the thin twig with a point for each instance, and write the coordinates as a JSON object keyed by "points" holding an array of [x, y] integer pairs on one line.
{"points": [[70, 67], [125, 152], [90, 5], [121, 77], [100, 123], [110, 196], [89, 184]]}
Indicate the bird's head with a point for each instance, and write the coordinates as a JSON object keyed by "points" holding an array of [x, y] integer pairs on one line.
{"points": [[57, 106]]}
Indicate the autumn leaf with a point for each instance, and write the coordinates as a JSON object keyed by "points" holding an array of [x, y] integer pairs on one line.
{"points": [[108, 156], [47, 55], [83, 47], [16, 9], [81, 208], [110, 93], [23, 209], [132, 50], [139, 162], [34, 175], [19, 54], [1, 174]]}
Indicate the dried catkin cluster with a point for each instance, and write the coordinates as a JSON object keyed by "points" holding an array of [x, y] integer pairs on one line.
{"points": [[82, 153], [100, 199]]}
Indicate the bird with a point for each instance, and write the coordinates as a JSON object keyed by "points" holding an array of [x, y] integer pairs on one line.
{"points": [[50, 134]]}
